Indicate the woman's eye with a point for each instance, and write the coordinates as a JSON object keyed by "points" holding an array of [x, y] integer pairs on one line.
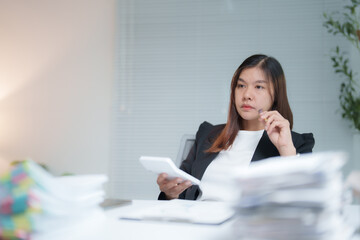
{"points": [[240, 85], [259, 87]]}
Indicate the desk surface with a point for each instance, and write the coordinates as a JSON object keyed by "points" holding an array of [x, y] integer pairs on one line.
{"points": [[110, 227], [160, 230]]}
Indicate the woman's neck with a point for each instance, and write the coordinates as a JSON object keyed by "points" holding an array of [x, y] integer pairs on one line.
{"points": [[252, 125]]}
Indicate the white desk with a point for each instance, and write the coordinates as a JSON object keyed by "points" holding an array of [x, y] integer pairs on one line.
{"points": [[110, 227], [128, 229]]}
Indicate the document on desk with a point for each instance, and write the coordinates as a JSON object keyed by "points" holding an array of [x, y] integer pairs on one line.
{"points": [[195, 212]]}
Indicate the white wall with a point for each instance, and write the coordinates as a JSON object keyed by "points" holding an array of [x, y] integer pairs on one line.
{"points": [[56, 73]]}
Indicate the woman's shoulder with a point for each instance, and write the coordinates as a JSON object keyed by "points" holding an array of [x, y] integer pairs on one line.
{"points": [[303, 142], [305, 136], [208, 127]]}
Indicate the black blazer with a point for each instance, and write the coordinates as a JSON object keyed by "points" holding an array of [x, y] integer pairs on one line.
{"points": [[198, 160]]}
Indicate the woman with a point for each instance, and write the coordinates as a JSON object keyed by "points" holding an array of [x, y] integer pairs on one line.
{"points": [[258, 126]]}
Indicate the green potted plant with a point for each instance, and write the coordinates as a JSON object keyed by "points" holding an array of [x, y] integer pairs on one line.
{"points": [[346, 24]]}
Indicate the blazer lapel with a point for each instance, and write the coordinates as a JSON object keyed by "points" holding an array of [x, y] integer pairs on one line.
{"points": [[206, 158], [264, 149], [200, 166]]}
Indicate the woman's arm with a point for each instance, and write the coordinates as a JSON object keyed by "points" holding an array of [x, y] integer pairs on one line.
{"points": [[172, 189]]}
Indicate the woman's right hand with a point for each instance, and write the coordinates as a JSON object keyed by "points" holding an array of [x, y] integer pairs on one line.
{"points": [[172, 188]]}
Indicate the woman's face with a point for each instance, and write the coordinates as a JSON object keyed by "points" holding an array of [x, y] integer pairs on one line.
{"points": [[252, 93]]}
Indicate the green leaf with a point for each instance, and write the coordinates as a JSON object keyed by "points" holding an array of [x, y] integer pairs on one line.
{"points": [[346, 25]]}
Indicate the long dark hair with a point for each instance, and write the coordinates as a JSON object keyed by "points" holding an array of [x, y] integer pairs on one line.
{"points": [[274, 73]]}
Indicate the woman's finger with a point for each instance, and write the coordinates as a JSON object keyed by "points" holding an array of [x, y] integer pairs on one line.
{"points": [[280, 124], [268, 122], [161, 178], [179, 188], [266, 114], [174, 189], [169, 185], [272, 126]]}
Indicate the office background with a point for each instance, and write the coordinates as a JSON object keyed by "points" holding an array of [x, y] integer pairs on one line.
{"points": [[89, 86]]}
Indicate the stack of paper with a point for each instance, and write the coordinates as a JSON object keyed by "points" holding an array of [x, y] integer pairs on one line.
{"points": [[292, 198], [66, 206], [70, 204]]}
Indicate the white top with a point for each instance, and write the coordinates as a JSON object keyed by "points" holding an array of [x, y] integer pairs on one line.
{"points": [[217, 182]]}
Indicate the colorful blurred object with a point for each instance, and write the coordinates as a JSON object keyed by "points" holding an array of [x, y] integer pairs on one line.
{"points": [[17, 203], [36, 205]]}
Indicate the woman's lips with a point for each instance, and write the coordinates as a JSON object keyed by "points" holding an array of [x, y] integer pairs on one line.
{"points": [[246, 107]]}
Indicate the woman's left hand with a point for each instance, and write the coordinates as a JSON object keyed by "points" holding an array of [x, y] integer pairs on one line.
{"points": [[278, 130]]}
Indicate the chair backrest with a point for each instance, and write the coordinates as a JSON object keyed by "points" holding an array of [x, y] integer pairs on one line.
{"points": [[186, 143]]}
